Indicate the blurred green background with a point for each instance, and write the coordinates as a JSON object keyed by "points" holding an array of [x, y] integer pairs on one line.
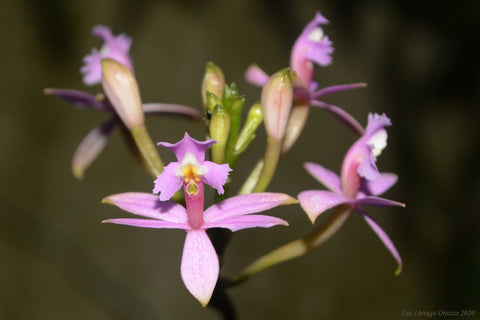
{"points": [[421, 60]]}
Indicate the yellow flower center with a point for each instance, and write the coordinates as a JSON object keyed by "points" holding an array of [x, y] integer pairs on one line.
{"points": [[191, 172]]}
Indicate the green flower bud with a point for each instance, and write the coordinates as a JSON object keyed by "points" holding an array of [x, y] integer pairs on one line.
{"points": [[219, 130], [213, 81]]}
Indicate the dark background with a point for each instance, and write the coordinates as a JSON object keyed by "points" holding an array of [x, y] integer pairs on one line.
{"points": [[421, 62]]}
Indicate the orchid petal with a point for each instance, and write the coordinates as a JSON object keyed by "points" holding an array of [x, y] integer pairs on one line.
{"points": [[326, 177], [245, 204], [377, 202], [341, 114], [189, 145], [321, 52], [91, 146], [167, 183], [380, 185], [337, 88], [171, 109], [256, 76], [315, 202], [200, 267], [244, 222], [148, 205], [216, 175], [79, 98], [114, 47], [149, 223], [385, 240]]}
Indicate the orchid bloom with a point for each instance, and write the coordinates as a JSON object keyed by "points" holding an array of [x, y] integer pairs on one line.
{"points": [[91, 146], [312, 46], [359, 184], [199, 268], [191, 169], [115, 47]]}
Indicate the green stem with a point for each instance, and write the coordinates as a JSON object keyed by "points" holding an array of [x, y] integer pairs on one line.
{"points": [[270, 161], [297, 247], [147, 149], [252, 179]]}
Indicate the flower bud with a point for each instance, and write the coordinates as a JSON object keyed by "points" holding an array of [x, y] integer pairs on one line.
{"points": [[254, 118], [219, 129], [212, 101], [213, 81], [277, 98], [121, 89]]}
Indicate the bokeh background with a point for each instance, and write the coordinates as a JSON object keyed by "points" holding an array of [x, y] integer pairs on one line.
{"points": [[421, 60]]}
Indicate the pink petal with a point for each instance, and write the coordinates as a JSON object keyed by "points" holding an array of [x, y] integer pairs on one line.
{"points": [[148, 205], [385, 240], [245, 204], [381, 184], [148, 223], [188, 144], [171, 110], [91, 146], [256, 76], [315, 202], [200, 266], [377, 202], [167, 182], [326, 177], [217, 175], [245, 222]]}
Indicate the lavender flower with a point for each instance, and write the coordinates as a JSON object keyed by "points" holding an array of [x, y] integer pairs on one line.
{"points": [[90, 147], [191, 169], [360, 182], [312, 46], [115, 47], [200, 266]]}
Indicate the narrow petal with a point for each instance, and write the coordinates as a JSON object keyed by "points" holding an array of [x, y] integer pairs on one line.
{"points": [[148, 205], [167, 183], [245, 204], [315, 202], [217, 175], [91, 146], [338, 88], [200, 266], [326, 177], [380, 185], [385, 240], [80, 99], [170, 109], [148, 223], [377, 202], [341, 114], [245, 222], [256, 76]]}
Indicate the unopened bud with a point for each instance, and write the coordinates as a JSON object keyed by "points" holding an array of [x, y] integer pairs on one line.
{"points": [[121, 88], [277, 98], [213, 81], [254, 119], [219, 130]]}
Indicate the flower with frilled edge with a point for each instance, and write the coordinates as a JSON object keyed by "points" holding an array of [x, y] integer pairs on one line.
{"points": [[312, 46], [360, 182], [91, 146], [190, 169], [114, 47], [200, 265]]}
